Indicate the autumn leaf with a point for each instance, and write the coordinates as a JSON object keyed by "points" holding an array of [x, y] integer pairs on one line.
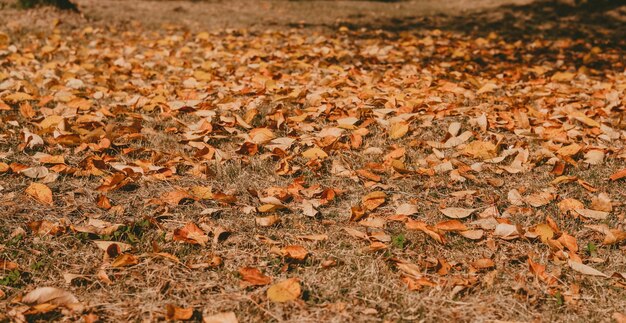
{"points": [[618, 175], [190, 233], [40, 192], [267, 221], [125, 260], [398, 130], [314, 153], [175, 313], [374, 199], [584, 269], [295, 252], [253, 277], [226, 317], [284, 291], [49, 295], [457, 213]]}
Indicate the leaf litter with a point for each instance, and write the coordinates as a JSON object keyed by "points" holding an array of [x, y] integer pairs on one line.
{"points": [[272, 163]]}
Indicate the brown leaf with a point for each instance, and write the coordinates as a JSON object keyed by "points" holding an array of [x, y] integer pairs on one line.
{"points": [[451, 225], [103, 202], [7, 265], [407, 209], [176, 197], [472, 234], [314, 153], [592, 214]]}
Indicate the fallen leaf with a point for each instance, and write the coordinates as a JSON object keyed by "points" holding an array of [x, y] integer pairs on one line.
{"points": [[592, 214], [175, 313], [314, 153], [483, 263], [407, 209], [51, 295], [295, 252], [190, 233], [584, 269], [267, 221], [284, 291], [125, 260], [398, 130], [226, 317], [374, 199], [457, 213], [618, 175], [40, 192], [253, 277]]}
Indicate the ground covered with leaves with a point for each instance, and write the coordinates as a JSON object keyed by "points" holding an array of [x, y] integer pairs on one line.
{"points": [[305, 175]]}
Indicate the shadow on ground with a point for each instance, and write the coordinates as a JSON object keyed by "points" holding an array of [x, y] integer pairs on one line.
{"points": [[600, 23]]}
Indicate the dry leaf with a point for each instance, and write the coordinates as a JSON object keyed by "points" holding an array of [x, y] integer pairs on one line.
{"points": [[584, 269], [618, 175], [407, 209], [284, 291], [49, 295], [592, 214], [175, 313], [40, 192], [267, 221], [457, 213], [314, 153], [190, 233], [226, 317], [125, 260], [398, 130], [295, 252]]}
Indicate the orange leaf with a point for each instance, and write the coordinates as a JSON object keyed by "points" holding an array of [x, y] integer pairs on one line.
{"points": [[175, 313], [618, 175], [40, 192], [190, 233], [253, 277]]}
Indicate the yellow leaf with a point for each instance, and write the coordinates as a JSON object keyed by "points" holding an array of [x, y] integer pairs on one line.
{"points": [[398, 130], [201, 192], [284, 291], [544, 232], [51, 121], [18, 97], [563, 76], [315, 153]]}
